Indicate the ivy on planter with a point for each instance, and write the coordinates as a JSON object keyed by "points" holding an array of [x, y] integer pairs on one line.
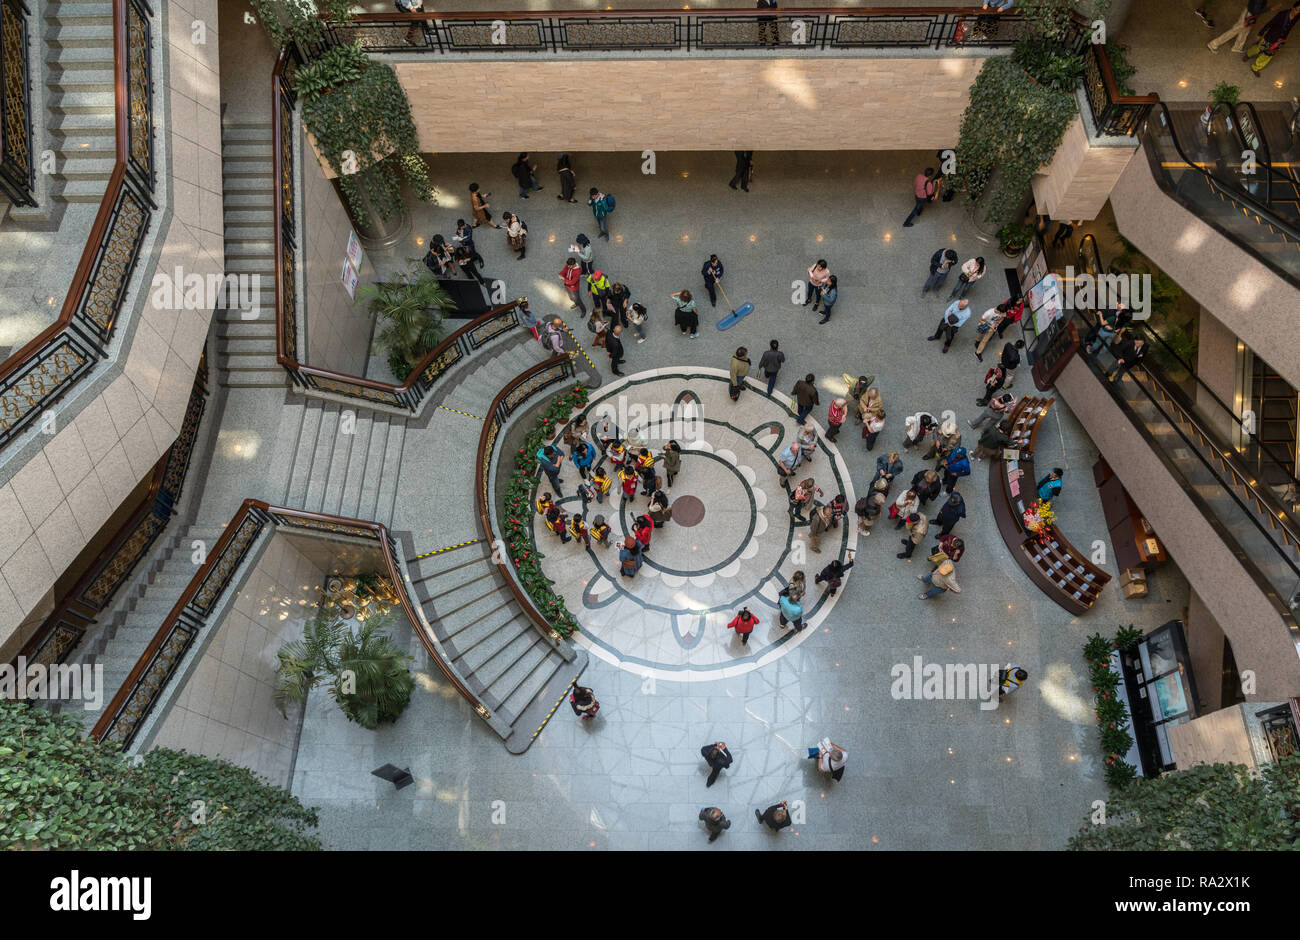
{"points": [[1112, 716], [299, 21], [360, 119], [517, 510]]}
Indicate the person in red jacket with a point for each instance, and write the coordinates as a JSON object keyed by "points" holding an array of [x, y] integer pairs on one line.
{"points": [[838, 411], [743, 625], [643, 528], [571, 275]]}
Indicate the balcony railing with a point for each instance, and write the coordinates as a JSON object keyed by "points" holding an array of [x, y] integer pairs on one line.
{"points": [[409, 393], [58, 637], [584, 31], [35, 377], [124, 717], [1113, 114], [17, 165]]}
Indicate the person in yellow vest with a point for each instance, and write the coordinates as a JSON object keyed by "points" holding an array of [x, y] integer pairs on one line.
{"points": [[601, 482], [578, 529], [616, 452], [600, 531], [544, 503], [627, 476], [645, 465], [1011, 678]]}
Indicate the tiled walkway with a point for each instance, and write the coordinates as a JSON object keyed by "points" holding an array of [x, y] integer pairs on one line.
{"points": [[921, 774]]}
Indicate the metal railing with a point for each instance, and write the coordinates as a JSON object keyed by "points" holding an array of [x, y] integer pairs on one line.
{"points": [[514, 395], [17, 163], [144, 686], [43, 371], [789, 30], [56, 639]]}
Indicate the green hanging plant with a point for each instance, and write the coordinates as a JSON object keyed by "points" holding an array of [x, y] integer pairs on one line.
{"points": [[336, 65], [299, 21], [1223, 93], [362, 127]]}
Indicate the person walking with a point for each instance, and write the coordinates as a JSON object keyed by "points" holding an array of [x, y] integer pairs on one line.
{"points": [[989, 321], [1271, 39], [583, 455], [465, 261], [917, 527], [715, 821], [997, 409], [787, 462], [1010, 679], [516, 234], [464, 238], [614, 346], [957, 313], [686, 317], [802, 497], [770, 364], [672, 458], [872, 427], [830, 758], [600, 531], [712, 274], [617, 301], [601, 207], [943, 578], [971, 272], [1049, 487], [830, 294], [411, 6], [479, 205], [777, 816], [924, 187], [833, 574], [744, 166], [1131, 352], [525, 174], [941, 262], [637, 317], [630, 557], [836, 415], [583, 702], [955, 466], [744, 624], [790, 611], [993, 381], [555, 338], [739, 369], [821, 521], [869, 508], [571, 278], [599, 326], [806, 397], [567, 178], [818, 275], [806, 435], [717, 757], [950, 547], [1240, 30], [578, 530], [950, 513]]}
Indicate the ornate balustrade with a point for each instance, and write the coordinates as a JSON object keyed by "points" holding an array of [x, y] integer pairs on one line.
{"points": [[56, 639], [38, 375], [17, 163], [1113, 114], [515, 394], [125, 715]]}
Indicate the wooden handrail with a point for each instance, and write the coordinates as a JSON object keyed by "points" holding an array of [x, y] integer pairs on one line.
{"points": [[247, 509], [783, 13], [122, 146], [482, 462]]}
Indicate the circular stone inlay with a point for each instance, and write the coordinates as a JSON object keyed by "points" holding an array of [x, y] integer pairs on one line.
{"points": [[688, 511]]}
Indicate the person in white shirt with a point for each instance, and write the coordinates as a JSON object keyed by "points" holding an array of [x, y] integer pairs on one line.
{"points": [[971, 272], [830, 758], [990, 320]]}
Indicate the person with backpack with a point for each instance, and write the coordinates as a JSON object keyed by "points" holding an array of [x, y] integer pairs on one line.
{"points": [[744, 624], [571, 278], [712, 274], [941, 262], [583, 702], [578, 530], [558, 522], [601, 206], [525, 175], [1010, 679], [516, 233], [630, 557], [955, 466], [600, 531], [790, 611], [555, 337]]}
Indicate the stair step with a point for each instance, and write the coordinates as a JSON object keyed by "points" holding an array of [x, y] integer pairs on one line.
{"points": [[368, 492], [502, 618], [304, 450], [497, 667], [391, 467], [324, 450], [533, 668], [83, 190], [251, 379]]}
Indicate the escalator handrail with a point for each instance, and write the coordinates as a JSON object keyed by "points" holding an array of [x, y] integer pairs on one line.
{"points": [[1218, 187], [1263, 156]]}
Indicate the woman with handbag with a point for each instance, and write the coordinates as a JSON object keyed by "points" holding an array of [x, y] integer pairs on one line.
{"points": [[636, 316], [971, 272], [478, 202], [583, 702], [629, 557], [686, 317], [833, 574], [516, 233]]}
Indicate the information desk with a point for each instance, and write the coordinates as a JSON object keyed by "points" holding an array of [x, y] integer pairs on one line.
{"points": [[1060, 570]]}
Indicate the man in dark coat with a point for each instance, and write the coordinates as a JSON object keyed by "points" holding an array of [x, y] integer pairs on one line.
{"points": [[717, 757], [614, 346], [744, 164]]}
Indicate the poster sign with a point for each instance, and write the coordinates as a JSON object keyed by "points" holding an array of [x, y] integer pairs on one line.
{"points": [[1032, 265], [354, 250], [350, 278], [352, 265], [1045, 300]]}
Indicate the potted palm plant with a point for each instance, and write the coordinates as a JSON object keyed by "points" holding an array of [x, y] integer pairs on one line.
{"points": [[410, 306]]}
